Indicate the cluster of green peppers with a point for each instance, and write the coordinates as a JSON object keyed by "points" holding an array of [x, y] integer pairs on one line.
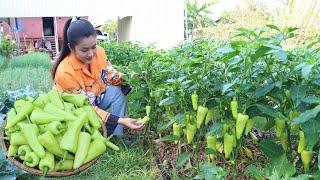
{"points": [[194, 120], [243, 122], [243, 125], [55, 132], [176, 128]]}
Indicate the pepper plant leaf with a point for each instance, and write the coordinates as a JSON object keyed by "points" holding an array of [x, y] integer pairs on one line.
{"points": [[311, 132], [271, 112], [270, 148], [183, 158], [306, 116]]}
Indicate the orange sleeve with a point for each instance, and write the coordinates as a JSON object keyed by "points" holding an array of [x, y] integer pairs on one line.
{"points": [[67, 84]]}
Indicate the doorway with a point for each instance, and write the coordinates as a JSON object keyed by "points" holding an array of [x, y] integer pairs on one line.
{"points": [[48, 26]]}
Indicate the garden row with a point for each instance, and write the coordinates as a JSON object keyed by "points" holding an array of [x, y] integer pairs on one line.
{"points": [[213, 92]]}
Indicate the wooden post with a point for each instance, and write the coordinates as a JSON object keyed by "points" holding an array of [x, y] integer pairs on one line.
{"points": [[56, 35]]}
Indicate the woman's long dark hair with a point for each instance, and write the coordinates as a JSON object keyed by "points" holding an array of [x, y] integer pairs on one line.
{"points": [[73, 32]]}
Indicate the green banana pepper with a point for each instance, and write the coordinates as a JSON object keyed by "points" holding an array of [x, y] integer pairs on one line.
{"points": [[26, 110], [68, 107], [23, 150], [19, 105], [234, 108], [306, 157], [148, 110], [64, 165], [201, 115], [69, 140], [82, 150], [46, 164], [228, 143], [54, 97], [86, 125], [10, 116], [12, 150], [249, 126], [241, 124], [194, 100], [17, 138], [38, 116], [94, 119], [176, 128], [96, 148], [143, 120], [302, 143], [187, 118], [41, 101], [31, 159], [211, 144], [97, 135], [48, 140], [191, 131], [56, 127], [31, 132], [11, 130], [52, 109], [77, 99]]}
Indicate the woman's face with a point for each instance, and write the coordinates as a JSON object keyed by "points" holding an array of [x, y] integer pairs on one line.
{"points": [[86, 49]]}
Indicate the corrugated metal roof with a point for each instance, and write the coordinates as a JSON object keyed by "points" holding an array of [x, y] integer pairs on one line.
{"points": [[42, 8]]}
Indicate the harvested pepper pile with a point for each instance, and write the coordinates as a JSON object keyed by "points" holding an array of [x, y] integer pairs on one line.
{"points": [[55, 132]]}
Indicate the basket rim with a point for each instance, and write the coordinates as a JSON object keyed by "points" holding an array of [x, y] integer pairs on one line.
{"points": [[4, 144]]}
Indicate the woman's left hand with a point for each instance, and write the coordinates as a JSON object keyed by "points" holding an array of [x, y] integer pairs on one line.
{"points": [[131, 123]]}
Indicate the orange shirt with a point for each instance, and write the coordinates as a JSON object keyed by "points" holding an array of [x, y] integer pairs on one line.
{"points": [[72, 76]]}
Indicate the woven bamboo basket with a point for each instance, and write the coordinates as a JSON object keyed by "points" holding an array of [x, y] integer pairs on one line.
{"points": [[5, 145]]}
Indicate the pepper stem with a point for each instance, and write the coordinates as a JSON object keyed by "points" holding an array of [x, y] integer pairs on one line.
{"points": [[108, 138], [61, 129], [23, 153], [45, 171], [5, 138], [64, 156], [29, 160]]}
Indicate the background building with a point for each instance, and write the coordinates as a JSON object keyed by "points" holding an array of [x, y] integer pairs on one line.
{"points": [[158, 22]]}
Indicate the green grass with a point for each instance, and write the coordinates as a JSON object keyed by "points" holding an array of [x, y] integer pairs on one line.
{"points": [[18, 78], [3, 62], [31, 60], [128, 164]]}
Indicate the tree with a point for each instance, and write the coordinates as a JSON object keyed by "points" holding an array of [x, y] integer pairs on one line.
{"points": [[198, 15], [109, 27]]}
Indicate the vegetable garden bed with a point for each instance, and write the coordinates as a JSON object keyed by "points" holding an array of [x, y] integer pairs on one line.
{"points": [[253, 96], [261, 102]]}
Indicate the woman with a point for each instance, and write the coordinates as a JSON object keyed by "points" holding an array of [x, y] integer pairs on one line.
{"points": [[82, 67]]}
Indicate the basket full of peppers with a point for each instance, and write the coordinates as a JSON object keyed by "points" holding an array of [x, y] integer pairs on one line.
{"points": [[56, 134]]}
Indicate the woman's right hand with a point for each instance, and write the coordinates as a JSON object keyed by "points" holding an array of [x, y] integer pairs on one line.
{"points": [[131, 123]]}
